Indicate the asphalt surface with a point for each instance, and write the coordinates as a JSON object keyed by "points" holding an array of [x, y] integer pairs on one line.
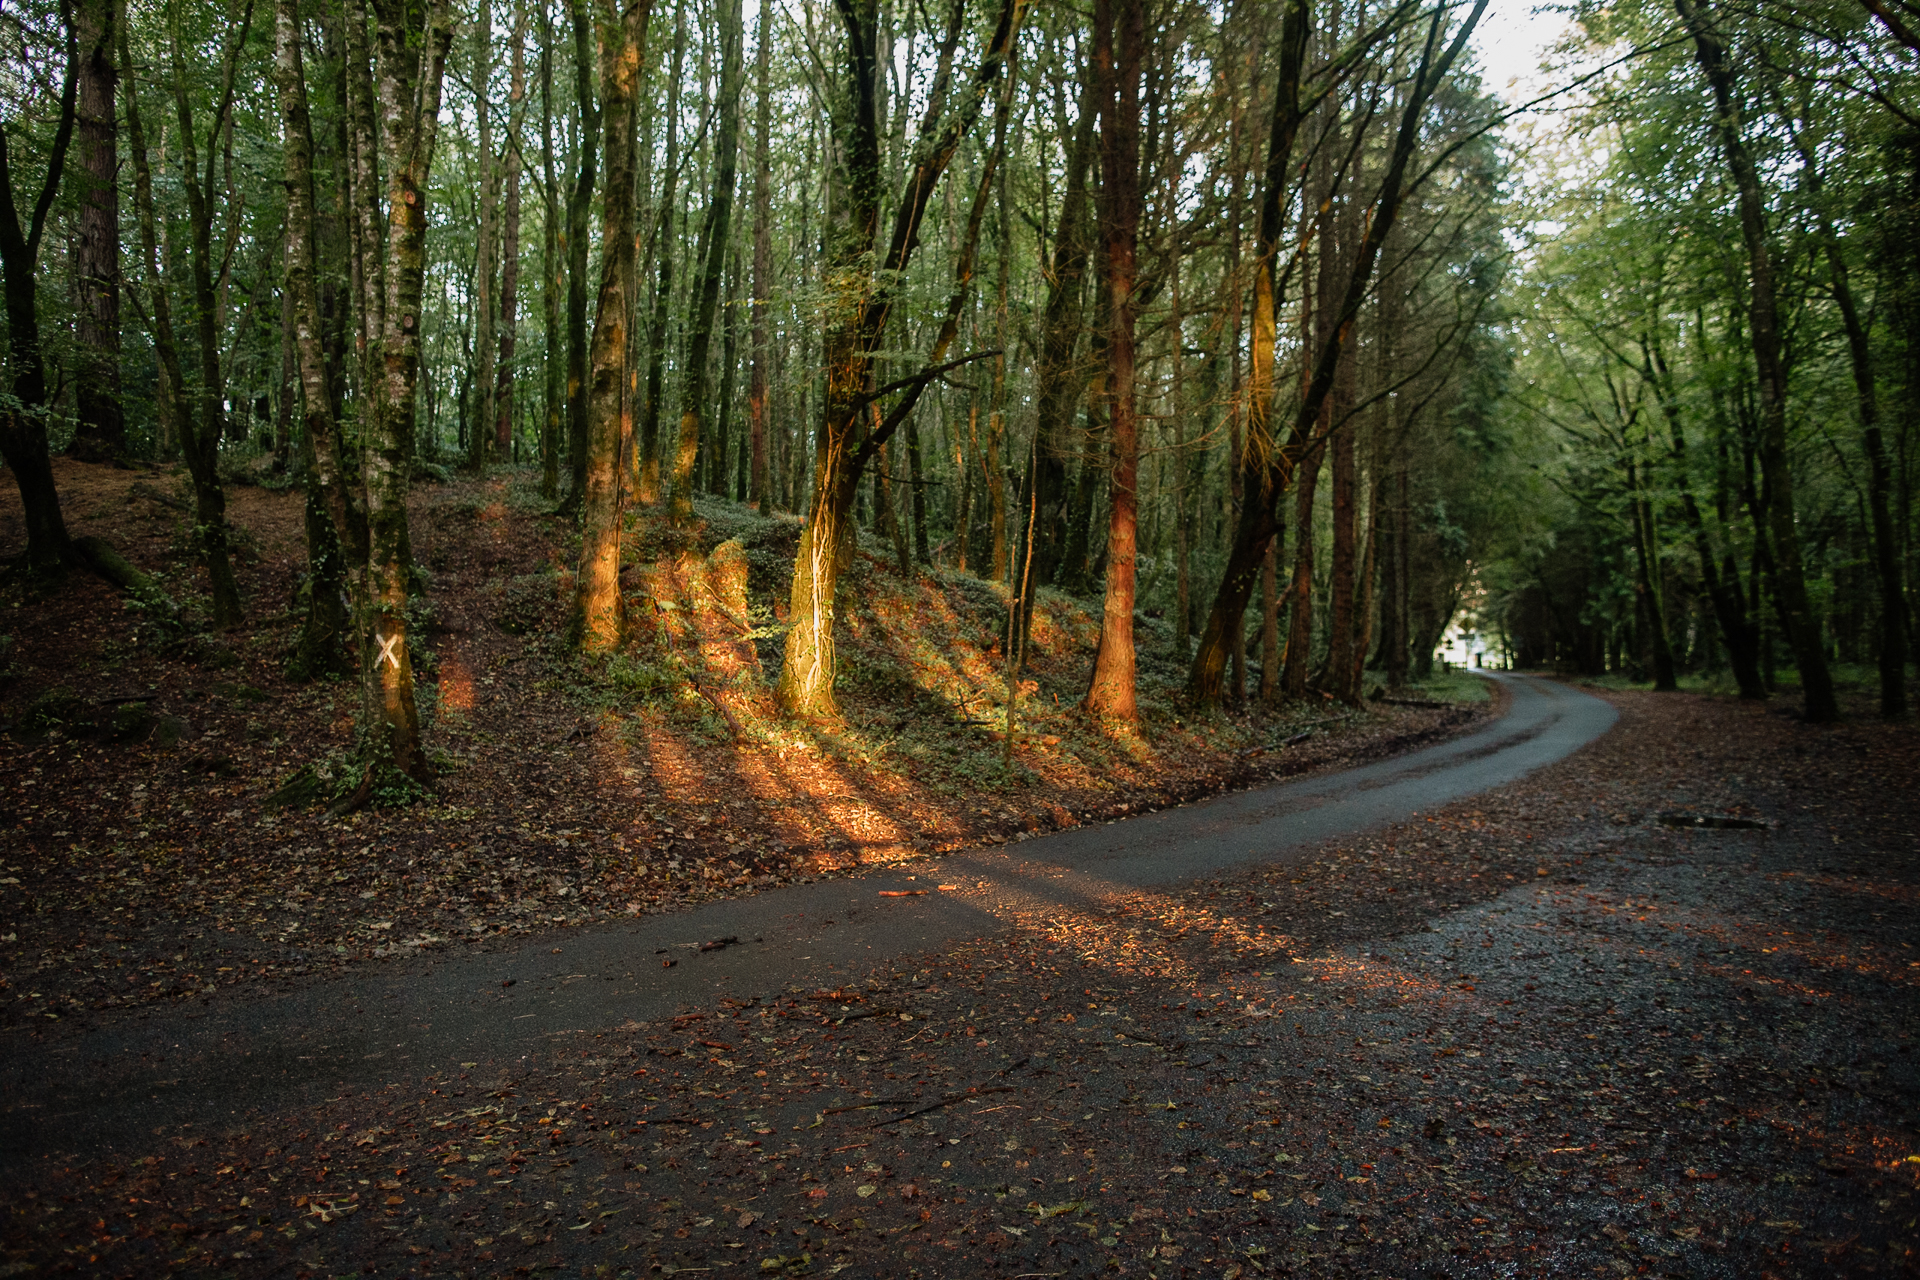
{"points": [[108, 1089]]}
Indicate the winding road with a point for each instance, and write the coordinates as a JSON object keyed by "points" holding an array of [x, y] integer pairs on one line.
{"points": [[111, 1088]]}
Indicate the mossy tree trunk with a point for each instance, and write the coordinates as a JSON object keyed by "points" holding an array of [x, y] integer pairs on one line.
{"points": [[598, 618], [413, 47]]}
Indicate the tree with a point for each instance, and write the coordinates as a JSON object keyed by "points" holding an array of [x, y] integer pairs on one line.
{"points": [[100, 428], [712, 256], [485, 267], [413, 43], [759, 385], [579, 202], [202, 430], [23, 416], [598, 621], [1269, 466], [1119, 34], [858, 300], [1797, 616]]}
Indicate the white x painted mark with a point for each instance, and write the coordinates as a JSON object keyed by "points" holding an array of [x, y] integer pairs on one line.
{"points": [[386, 652]]}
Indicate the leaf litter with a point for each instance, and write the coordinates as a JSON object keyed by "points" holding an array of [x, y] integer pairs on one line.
{"points": [[142, 863], [1543, 1034]]}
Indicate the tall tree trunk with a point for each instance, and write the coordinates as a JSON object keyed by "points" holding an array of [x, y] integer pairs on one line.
{"points": [[1257, 471], [1306, 479], [1797, 616], [647, 463], [1119, 42], [579, 202], [1270, 626], [729, 477], [413, 62], [1060, 386], [329, 516], [23, 415], [201, 432], [597, 607], [1395, 568], [713, 261], [1343, 581], [369, 259], [858, 301], [1363, 603], [994, 465], [100, 433], [159, 309], [510, 239], [486, 241], [761, 376], [552, 360]]}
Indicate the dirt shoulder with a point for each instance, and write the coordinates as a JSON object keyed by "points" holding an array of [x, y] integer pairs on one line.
{"points": [[1542, 1032]]}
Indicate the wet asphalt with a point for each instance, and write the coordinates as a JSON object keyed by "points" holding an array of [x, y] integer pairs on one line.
{"points": [[111, 1088]]}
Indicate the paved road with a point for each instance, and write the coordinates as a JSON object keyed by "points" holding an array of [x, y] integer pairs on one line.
{"points": [[113, 1088]]}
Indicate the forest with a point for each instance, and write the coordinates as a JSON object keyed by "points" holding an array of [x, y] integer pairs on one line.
{"points": [[1269, 336]]}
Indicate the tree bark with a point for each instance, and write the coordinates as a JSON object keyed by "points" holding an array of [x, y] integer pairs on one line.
{"points": [[330, 519], [598, 621], [1729, 610], [100, 432], [1261, 479], [761, 377], [1343, 580], [1270, 626], [413, 59], [1797, 615], [1653, 607], [1886, 546], [1119, 40], [647, 461], [159, 310], [1395, 568], [369, 261], [510, 239], [552, 360], [1293, 680], [579, 202], [480, 429], [714, 235]]}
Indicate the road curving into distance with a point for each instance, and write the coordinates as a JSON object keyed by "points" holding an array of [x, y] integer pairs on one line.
{"points": [[113, 1088]]}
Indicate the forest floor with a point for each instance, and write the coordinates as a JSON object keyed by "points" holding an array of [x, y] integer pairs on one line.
{"points": [[1632, 1044], [143, 864]]}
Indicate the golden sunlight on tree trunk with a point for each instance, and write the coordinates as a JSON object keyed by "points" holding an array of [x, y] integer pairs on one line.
{"points": [[597, 607], [1119, 34]]}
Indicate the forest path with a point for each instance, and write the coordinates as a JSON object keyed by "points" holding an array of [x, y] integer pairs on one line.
{"points": [[111, 1088]]}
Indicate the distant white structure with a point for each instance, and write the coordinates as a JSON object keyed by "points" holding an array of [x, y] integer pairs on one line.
{"points": [[1461, 646], [1466, 648]]}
